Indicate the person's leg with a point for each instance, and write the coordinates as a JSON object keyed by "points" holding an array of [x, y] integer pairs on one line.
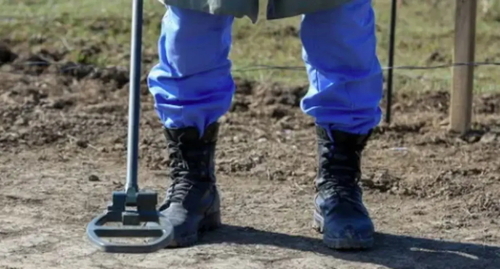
{"points": [[339, 50], [344, 72], [192, 84], [192, 87]]}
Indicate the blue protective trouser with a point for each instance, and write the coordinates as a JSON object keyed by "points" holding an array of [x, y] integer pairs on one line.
{"points": [[192, 84]]}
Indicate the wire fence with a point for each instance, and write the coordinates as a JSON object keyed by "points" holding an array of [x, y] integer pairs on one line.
{"points": [[63, 67]]}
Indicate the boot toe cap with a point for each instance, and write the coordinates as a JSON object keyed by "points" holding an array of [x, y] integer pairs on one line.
{"points": [[345, 225]]}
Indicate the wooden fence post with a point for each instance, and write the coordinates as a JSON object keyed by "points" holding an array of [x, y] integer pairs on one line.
{"points": [[463, 76]]}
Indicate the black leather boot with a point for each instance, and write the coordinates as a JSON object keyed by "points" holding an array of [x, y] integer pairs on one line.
{"points": [[339, 210], [192, 203]]}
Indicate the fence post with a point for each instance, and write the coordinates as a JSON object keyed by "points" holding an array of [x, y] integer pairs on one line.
{"points": [[463, 76]]}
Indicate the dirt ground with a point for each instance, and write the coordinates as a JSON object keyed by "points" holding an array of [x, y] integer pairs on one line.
{"points": [[434, 196]]}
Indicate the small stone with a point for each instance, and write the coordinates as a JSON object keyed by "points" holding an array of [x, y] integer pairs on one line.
{"points": [[6, 55], [61, 104], [93, 178], [21, 122], [82, 143], [489, 138]]}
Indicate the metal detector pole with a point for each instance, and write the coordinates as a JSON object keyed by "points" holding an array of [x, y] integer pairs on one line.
{"points": [[392, 38], [132, 207], [132, 187]]}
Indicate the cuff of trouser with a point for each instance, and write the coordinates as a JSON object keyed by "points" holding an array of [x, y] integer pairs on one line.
{"points": [[278, 9], [238, 9]]}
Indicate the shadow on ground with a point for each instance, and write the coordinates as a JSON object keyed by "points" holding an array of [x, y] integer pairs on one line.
{"points": [[392, 251]]}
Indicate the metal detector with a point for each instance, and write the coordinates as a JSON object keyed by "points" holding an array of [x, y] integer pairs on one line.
{"points": [[132, 208]]}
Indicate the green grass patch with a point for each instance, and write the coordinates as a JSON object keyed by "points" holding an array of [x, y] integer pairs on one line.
{"points": [[424, 38]]}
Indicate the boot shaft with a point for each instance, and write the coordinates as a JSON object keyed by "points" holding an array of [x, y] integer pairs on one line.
{"points": [[192, 153], [339, 155]]}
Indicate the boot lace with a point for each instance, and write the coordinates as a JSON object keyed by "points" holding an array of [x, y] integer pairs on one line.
{"points": [[340, 171], [187, 166]]}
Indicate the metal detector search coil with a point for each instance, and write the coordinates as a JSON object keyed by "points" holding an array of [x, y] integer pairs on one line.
{"points": [[131, 220]]}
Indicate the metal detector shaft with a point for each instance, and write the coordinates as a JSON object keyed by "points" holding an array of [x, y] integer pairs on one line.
{"points": [[390, 72], [132, 186]]}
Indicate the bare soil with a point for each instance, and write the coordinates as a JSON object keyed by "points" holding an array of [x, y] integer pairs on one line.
{"points": [[434, 196]]}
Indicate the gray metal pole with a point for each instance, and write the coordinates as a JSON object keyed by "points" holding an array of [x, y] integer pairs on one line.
{"points": [[390, 72], [132, 186]]}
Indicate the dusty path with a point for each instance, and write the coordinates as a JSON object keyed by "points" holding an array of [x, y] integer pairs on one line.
{"points": [[44, 213], [434, 196]]}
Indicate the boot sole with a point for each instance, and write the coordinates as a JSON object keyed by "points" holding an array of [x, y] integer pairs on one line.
{"points": [[209, 223], [340, 243]]}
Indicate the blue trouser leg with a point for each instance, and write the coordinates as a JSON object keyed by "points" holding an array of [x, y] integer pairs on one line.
{"points": [[192, 84], [339, 50]]}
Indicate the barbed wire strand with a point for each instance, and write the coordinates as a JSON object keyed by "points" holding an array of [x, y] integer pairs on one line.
{"points": [[251, 68], [404, 67], [46, 18]]}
